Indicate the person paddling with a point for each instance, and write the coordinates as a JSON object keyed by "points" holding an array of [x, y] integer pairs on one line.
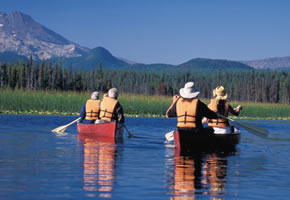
{"points": [[219, 104], [189, 110], [110, 107], [90, 111]]}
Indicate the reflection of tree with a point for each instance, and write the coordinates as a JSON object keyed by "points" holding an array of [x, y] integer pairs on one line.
{"points": [[199, 174], [99, 162]]}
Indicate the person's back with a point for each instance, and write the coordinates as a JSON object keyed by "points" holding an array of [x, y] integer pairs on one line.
{"points": [[189, 110], [110, 108], [221, 107], [219, 104], [90, 111], [186, 113]]}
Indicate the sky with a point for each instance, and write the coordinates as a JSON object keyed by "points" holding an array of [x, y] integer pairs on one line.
{"points": [[168, 31]]}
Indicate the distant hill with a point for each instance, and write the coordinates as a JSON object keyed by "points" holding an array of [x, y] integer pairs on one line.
{"points": [[270, 63], [92, 60], [214, 64], [102, 55], [197, 64]]}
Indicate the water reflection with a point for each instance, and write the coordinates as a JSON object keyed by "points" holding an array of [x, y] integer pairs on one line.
{"points": [[199, 174], [99, 166]]}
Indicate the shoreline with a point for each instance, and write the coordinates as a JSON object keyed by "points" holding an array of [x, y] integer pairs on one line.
{"points": [[33, 112]]}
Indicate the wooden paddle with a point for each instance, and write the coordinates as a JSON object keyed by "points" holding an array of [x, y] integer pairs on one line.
{"points": [[251, 128], [64, 127], [169, 136]]}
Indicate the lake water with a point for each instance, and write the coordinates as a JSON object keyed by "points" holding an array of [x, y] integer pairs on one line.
{"points": [[38, 164]]}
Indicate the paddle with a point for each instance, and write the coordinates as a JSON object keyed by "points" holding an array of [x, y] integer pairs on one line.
{"points": [[64, 127], [258, 131], [169, 136], [129, 133]]}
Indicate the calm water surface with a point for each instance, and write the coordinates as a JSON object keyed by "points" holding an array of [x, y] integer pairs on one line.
{"points": [[38, 164]]}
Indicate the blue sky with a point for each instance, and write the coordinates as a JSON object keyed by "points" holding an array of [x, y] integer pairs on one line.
{"points": [[168, 31]]}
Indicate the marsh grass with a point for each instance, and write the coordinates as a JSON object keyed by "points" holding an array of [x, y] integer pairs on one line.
{"points": [[70, 103], [140, 105], [41, 102]]}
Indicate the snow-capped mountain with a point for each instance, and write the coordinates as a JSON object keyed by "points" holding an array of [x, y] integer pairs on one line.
{"points": [[270, 63], [19, 33]]}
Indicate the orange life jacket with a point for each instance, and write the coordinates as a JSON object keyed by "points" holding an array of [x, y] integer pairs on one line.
{"points": [[92, 109], [186, 112], [220, 122], [107, 108]]}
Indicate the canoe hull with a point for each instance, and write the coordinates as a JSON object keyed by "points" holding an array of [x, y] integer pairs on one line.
{"points": [[189, 142], [109, 131]]}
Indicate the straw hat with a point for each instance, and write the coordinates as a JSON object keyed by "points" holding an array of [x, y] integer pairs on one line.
{"points": [[189, 91], [220, 93], [95, 95], [113, 93]]}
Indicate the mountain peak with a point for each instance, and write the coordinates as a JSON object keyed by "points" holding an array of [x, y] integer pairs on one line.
{"points": [[19, 33], [18, 22], [102, 52]]}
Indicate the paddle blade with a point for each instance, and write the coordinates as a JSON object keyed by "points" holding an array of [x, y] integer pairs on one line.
{"points": [[59, 129], [258, 131], [169, 136], [63, 128]]}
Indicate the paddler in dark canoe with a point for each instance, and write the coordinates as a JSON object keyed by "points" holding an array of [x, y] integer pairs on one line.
{"points": [[219, 104], [189, 111]]}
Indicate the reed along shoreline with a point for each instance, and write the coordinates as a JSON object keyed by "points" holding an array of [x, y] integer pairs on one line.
{"points": [[70, 103]]}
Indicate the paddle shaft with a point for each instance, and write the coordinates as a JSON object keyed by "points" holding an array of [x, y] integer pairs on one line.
{"points": [[258, 131], [62, 128], [73, 122], [129, 133]]}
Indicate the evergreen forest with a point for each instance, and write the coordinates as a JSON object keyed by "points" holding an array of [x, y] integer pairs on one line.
{"points": [[254, 85]]}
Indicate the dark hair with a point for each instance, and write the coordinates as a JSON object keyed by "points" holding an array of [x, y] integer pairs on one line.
{"points": [[221, 106]]}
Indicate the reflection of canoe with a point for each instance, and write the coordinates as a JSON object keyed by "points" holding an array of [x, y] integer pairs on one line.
{"points": [[186, 141], [106, 131], [98, 165]]}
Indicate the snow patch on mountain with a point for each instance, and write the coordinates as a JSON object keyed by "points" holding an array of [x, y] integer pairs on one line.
{"points": [[19, 33]]}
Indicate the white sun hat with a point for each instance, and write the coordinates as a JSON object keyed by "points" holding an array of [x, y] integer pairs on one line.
{"points": [[189, 91]]}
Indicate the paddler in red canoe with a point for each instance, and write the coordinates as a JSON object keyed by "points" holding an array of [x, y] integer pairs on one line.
{"points": [[90, 111], [110, 107]]}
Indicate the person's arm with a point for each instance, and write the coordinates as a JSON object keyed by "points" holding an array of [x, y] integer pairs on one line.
{"points": [[171, 112], [235, 111], [83, 112], [120, 113], [206, 112]]}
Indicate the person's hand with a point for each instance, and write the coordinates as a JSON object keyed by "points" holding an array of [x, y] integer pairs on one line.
{"points": [[105, 95], [238, 108], [175, 97], [204, 120]]}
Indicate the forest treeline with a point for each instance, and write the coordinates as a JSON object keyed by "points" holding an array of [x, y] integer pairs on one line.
{"points": [[255, 85]]}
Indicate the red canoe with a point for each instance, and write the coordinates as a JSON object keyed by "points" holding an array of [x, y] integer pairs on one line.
{"points": [[106, 131]]}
